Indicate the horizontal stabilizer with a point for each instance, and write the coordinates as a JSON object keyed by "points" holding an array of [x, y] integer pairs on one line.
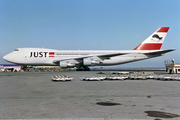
{"points": [[161, 52]]}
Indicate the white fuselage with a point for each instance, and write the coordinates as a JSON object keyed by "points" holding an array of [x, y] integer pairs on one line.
{"points": [[42, 56]]}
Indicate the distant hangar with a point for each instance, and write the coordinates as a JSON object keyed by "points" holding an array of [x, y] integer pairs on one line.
{"points": [[9, 68]]}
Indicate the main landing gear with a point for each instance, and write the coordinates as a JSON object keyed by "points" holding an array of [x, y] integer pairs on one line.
{"points": [[83, 68]]}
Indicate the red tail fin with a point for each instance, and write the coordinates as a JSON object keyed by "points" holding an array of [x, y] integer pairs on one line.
{"points": [[154, 42]]}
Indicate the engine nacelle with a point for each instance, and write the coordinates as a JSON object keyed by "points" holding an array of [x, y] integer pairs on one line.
{"points": [[89, 62], [65, 64]]}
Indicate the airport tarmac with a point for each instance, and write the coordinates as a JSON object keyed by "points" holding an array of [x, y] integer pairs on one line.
{"points": [[32, 95]]}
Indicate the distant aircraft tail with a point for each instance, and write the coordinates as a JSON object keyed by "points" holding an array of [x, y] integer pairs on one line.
{"points": [[154, 42]]}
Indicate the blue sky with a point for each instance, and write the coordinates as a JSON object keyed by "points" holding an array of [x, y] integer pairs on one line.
{"points": [[89, 25]]}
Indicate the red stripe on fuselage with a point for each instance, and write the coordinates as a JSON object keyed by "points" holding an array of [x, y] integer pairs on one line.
{"points": [[51, 54], [148, 46], [163, 29]]}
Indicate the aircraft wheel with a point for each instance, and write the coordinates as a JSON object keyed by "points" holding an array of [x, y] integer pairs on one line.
{"points": [[80, 69], [86, 68]]}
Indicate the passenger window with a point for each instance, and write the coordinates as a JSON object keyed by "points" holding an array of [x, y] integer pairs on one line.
{"points": [[16, 50]]}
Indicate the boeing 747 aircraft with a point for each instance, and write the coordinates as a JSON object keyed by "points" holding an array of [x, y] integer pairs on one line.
{"points": [[82, 59]]}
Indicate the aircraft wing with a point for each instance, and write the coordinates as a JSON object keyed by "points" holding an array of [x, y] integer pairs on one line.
{"points": [[101, 56], [158, 53]]}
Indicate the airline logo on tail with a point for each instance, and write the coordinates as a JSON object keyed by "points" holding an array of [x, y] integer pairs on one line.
{"points": [[154, 42], [156, 38]]}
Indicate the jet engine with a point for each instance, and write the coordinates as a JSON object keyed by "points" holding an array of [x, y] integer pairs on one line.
{"points": [[89, 62], [65, 64]]}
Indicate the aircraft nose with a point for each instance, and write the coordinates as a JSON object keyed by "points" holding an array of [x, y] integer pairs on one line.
{"points": [[8, 58], [5, 57]]}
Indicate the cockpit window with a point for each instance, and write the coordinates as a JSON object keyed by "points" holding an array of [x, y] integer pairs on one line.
{"points": [[16, 50]]}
